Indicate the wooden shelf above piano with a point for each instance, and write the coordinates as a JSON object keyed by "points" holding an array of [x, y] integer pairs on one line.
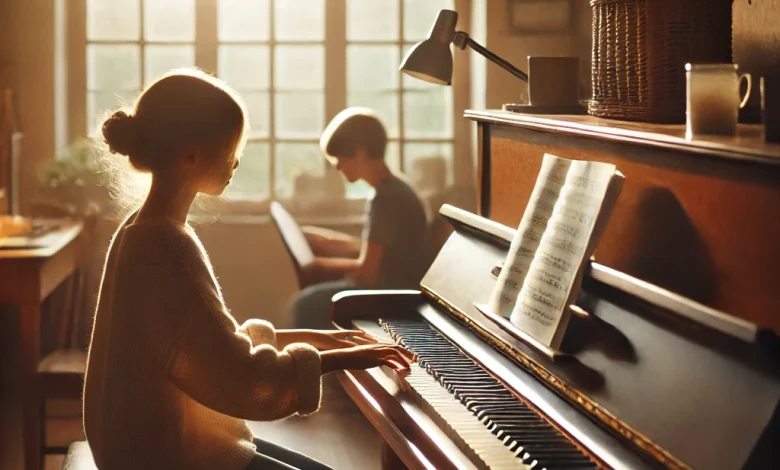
{"points": [[747, 145], [697, 217]]}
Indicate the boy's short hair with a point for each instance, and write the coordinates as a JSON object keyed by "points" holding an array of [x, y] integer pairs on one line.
{"points": [[351, 129]]}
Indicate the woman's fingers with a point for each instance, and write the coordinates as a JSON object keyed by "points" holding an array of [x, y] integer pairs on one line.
{"points": [[356, 336], [406, 353], [399, 354]]}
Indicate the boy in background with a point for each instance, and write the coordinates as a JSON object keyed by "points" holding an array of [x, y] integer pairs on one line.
{"points": [[393, 252]]}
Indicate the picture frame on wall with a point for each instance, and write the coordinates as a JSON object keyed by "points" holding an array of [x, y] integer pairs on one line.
{"points": [[538, 16]]}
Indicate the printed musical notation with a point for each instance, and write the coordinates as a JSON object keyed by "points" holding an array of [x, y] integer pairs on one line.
{"points": [[551, 244], [522, 251]]}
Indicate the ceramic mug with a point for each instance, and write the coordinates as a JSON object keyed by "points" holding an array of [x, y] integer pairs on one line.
{"points": [[713, 98]]}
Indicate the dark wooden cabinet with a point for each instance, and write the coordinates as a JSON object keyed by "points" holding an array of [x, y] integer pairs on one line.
{"points": [[700, 218]]}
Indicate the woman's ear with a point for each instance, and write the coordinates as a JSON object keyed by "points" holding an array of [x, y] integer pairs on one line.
{"points": [[190, 158], [188, 162]]}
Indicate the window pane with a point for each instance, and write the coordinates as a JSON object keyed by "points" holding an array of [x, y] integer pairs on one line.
{"points": [[385, 104], [113, 19], [252, 177], [257, 104], [244, 67], [299, 68], [300, 114], [428, 113], [429, 165], [293, 159], [114, 67], [357, 190], [169, 20], [372, 67], [299, 20], [101, 103], [372, 20], [243, 20], [419, 16], [162, 59]]}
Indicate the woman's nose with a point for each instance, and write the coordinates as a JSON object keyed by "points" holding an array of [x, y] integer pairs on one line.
{"points": [[235, 165]]}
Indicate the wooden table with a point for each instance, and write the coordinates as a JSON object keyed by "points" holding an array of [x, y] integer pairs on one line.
{"points": [[27, 277]]}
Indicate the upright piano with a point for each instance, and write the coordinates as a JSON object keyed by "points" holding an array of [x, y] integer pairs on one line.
{"points": [[676, 363]]}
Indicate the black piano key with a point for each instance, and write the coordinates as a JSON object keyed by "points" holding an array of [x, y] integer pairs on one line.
{"points": [[524, 435], [487, 412], [476, 404], [517, 419]]}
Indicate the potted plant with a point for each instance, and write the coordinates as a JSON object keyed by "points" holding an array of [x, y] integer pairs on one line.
{"points": [[75, 184]]}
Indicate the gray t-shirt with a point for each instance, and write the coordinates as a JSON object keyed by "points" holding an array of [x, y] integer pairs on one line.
{"points": [[397, 222]]}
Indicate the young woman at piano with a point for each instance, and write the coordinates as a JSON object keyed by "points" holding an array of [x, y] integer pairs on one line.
{"points": [[171, 375]]}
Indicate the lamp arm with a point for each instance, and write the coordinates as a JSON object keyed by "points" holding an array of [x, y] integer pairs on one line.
{"points": [[461, 40]]}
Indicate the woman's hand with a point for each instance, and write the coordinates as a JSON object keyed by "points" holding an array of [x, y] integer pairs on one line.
{"points": [[324, 340], [337, 339], [367, 357]]}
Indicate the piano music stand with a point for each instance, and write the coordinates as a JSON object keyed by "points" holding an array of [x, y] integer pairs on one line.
{"points": [[294, 241]]}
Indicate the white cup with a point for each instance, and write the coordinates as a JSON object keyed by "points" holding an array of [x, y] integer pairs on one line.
{"points": [[713, 98]]}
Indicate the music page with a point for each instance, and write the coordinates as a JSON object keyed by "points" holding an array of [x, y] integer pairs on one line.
{"points": [[537, 213], [561, 250]]}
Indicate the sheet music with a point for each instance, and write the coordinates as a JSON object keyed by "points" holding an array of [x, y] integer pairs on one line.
{"points": [[544, 294], [529, 234]]}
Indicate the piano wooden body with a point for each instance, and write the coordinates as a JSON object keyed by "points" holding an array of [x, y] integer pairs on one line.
{"points": [[649, 379]]}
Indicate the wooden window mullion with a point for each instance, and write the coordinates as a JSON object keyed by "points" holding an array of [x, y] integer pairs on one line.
{"points": [[335, 57], [206, 41], [272, 101], [142, 44], [335, 60], [401, 136], [76, 50], [462, 166]]}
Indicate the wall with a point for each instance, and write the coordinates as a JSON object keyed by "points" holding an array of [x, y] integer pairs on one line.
{"points": [[27, 53], [756, 35], [756, 43], [503, 87]]}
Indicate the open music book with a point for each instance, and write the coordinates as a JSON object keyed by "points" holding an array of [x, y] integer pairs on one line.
{"points": [[568, 211]]}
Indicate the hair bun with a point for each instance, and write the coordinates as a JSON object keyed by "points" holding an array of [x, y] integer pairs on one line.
{"points": [[121, 133]]}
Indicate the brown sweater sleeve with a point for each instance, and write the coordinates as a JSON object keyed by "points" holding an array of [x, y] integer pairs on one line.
{"points": [[217, 365]]}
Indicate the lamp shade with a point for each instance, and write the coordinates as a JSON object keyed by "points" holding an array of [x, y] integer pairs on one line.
{"points": [[431, 59]]}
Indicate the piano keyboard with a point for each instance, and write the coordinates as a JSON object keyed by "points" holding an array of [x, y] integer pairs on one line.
{"points": [[496, 426]]}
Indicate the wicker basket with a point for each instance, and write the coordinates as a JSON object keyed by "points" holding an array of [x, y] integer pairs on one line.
{"points": [[640, 48]]}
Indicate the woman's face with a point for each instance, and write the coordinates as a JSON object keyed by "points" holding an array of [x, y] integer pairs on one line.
{"points": [[218, 170]]}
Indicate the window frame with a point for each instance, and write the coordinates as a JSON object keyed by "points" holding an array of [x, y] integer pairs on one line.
{"points": [[335, 43]]}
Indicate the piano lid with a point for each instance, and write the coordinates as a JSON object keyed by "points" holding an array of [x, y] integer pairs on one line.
{"points": [[685, 386]]}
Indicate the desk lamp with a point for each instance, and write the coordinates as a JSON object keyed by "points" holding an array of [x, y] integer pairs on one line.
{"points": [[554, 89], [431, 60]]}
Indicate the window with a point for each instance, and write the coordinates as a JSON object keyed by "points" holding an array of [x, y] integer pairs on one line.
{"points": [[296, 63]]}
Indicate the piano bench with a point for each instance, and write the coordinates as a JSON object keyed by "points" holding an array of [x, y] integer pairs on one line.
{"points": [[79, 457]]}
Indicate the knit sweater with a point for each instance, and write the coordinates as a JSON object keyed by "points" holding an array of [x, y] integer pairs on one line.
{"points": [[171, 376]]}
